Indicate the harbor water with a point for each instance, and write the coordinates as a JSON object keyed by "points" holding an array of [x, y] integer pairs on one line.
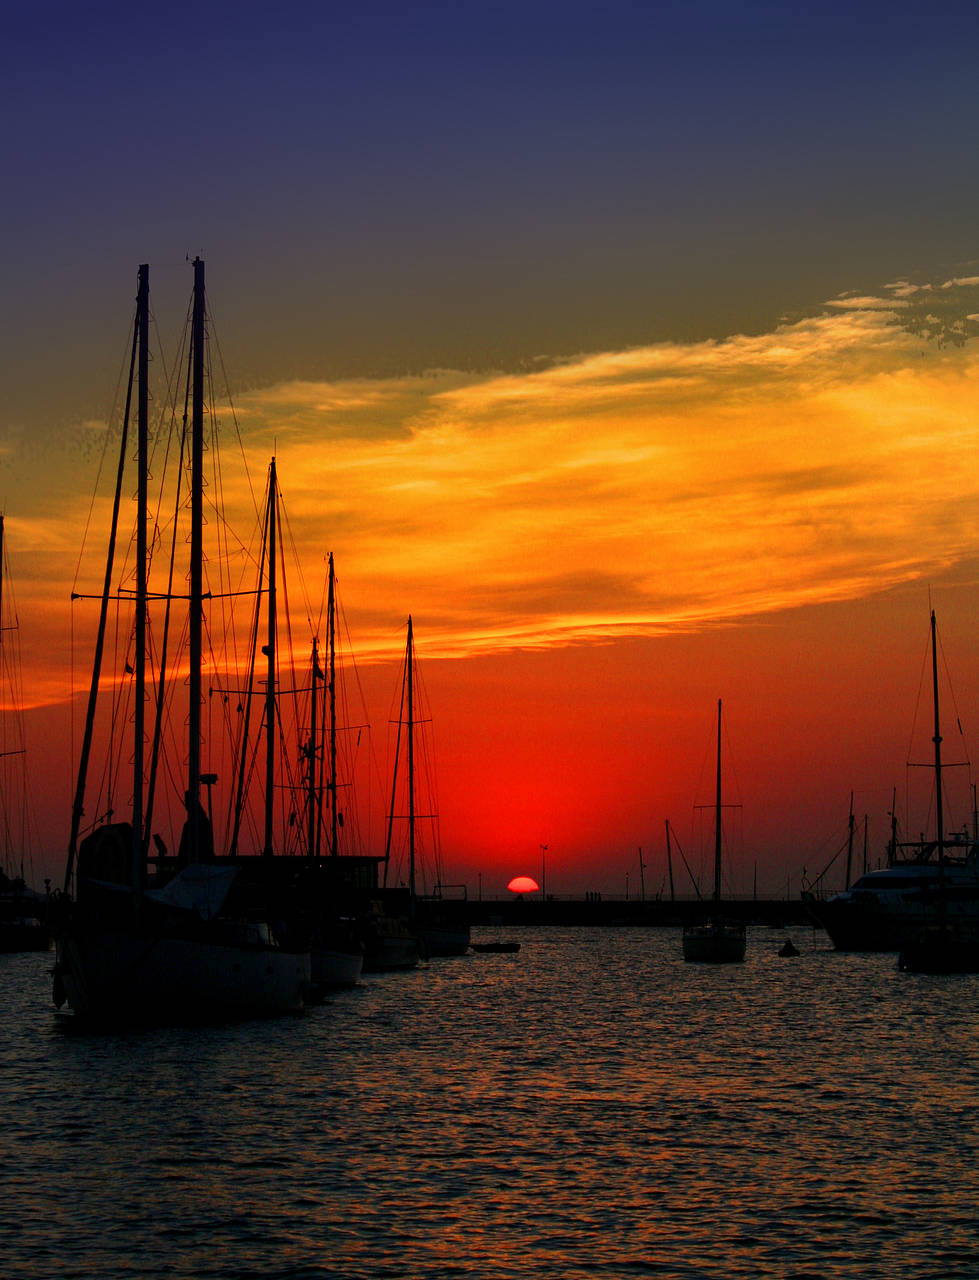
{"points": [[588, 1107]]}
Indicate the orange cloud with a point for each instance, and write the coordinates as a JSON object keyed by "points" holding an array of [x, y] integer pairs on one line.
{"points": [[674, 486], [633, 492]]}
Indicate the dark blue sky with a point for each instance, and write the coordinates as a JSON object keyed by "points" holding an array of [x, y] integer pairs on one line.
{"points": [[380, 186]]}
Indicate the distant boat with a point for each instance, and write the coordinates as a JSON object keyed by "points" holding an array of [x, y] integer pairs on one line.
{"points": [[181, 949], [892, 907], [22, 923], [715, 940], [945, 945]]}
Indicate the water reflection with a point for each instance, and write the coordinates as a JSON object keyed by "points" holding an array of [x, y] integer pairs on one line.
{"points": [[589, 1106]]}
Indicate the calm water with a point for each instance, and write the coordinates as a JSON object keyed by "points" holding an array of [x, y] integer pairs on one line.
{"points": [[589, 1107]]}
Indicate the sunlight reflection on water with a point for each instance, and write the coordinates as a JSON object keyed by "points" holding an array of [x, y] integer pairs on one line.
{"points": [[588, 1107]]}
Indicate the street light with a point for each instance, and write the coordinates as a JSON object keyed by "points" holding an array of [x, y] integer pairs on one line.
{"points": [[543, 875]]}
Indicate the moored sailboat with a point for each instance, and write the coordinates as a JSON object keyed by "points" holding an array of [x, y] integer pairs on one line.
{"points": [[437, 929], [944, 945], [890, 908], [336, 941], [715, 940], [22, 911], [185, 945]]}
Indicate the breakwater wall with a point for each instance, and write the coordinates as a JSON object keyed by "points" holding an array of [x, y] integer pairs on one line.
{"points": [[511, 912]]}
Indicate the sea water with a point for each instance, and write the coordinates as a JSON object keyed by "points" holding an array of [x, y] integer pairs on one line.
{"points": [[591, 1106]]}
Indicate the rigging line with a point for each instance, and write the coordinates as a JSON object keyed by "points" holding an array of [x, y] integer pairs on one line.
{"points": [[162, 683], [950, 688], [237, 793], [287, 523], [106, 437], [234, 415]]}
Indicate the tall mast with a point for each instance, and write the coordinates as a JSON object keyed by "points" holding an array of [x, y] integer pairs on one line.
{"points": [[142, 500], [892, 845], [669, 860], [78, 804], [849, 845], [937, 739], [332, 644], [717, 816], [196, 620], [312, 756], [270, 669], [409, 673]]}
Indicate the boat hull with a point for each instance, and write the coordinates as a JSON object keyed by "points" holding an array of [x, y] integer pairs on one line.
{"points": [[941, 950], [887, 910], [131, 977], [444, 940], [331, 968], [714, 943], [390, 953]]}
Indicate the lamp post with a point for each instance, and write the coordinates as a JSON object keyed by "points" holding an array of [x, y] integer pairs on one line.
{"points": [[543, 873]]}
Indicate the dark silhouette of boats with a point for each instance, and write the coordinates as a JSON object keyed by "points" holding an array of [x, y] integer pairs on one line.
{"points": [[192, 942], [23, 926], [496, 948]]}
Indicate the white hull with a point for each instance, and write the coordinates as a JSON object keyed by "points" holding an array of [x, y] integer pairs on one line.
{"points": [[887, 909], [714, 943], [147, 977], [336, 968]]}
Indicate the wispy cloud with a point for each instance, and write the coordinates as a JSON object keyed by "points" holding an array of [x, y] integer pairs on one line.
{"points": [[637, 491], [623, 492]]}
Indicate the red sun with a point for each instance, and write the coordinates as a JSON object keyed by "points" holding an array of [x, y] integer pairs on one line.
{"points": [[523, 884]]}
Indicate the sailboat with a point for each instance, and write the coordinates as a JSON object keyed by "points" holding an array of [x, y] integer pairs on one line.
{"points": [[716, 940], [944, 945], [438, 929], [336, 946], [890, 908], [182, 946], [22, 926]]}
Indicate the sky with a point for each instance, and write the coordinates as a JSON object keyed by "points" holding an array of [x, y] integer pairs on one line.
{"points": [[630, 348]]}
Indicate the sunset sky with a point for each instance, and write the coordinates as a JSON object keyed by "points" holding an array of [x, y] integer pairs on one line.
{"points": [[631, 348]]}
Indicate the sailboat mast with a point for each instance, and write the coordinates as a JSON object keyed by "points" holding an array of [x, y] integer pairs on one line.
{"points": [[196, 620], [669, 861], [409, 672], [332, 643], [849, 845], [717, 814], [270, 669], [892, 845], [312, 817], [939, 822], [142, 502], [78, 804]]}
